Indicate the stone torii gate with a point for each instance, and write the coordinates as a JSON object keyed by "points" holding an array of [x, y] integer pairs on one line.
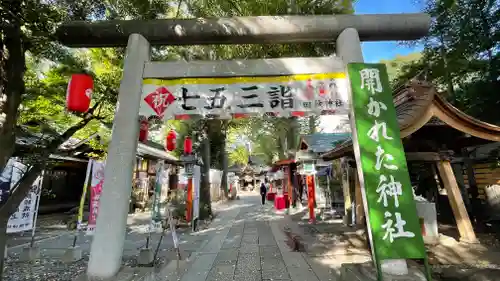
{"points": [[347, 30]]}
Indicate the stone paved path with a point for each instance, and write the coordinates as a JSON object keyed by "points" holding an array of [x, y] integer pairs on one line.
{"points": [[249, 252], [249, 246]]}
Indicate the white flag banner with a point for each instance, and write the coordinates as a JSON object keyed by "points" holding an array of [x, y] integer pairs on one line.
{"points": [[18, 171], [324, 94], [23, 218], [196, 191]]}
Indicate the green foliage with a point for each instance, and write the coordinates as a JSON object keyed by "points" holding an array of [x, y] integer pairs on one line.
{"points": [[49, 66], [396, 66], [44, 101], [238, 155], [461, 55], [271, 138]]}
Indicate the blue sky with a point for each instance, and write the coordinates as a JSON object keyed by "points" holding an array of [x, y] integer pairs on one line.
{"points": [[375, 51]]}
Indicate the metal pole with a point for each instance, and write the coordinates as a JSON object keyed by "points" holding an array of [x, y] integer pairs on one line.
{"points": [[82, 202], [328, 188], [189, 199], [148, 238], [145, 184]]}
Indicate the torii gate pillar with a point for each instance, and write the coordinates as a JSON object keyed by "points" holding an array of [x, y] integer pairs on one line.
{"points": [[109, 237]]}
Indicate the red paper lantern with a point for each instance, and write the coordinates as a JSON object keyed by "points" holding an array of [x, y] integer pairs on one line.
{"points": [[171, 140], [79, 93], [188, 145], [144, 131]]}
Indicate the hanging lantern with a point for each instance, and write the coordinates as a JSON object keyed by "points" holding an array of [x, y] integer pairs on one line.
{"points": [[79, 93], [188, 145], [144, 130], [171, 141]]}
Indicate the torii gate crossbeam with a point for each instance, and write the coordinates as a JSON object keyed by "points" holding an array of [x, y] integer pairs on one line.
{"points": [[244, 30]]}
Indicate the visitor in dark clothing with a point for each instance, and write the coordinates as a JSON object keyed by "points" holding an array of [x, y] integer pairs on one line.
{"points": [[263, 191]]}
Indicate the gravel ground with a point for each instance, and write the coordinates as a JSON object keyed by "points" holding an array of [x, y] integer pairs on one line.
{"points": [[466, 273], [44, 269], [50, 269]]}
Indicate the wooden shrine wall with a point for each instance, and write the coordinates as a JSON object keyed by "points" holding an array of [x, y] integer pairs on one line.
{"points": [[486, 175]]}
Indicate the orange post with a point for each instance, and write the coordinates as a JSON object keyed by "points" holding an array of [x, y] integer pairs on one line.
{"points": [[310, 197], [290, 187], [189, 200]]}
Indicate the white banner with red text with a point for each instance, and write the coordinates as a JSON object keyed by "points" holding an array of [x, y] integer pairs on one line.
{"points": [[239, 97]]}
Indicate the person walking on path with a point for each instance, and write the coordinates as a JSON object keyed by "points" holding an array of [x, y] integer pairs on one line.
{"points": [[263, 191]]}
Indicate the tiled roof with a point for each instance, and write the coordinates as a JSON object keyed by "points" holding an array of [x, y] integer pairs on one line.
{"points": [[418, 104], [320, 142]]}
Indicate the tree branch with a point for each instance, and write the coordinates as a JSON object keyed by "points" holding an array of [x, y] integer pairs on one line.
{"points": [[23, 186], [178, 12]]}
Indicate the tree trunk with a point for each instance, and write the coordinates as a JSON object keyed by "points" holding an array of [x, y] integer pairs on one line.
{"points": [[205, 200], [292, 134], [3, 243], [13, 64], [312, 124], [281, 148]]}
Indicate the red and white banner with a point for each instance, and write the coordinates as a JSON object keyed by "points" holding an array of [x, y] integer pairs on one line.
{"points": [[240, 97], [95, 193]]}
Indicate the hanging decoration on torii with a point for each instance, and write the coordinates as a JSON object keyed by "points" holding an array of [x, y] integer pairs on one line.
{"points": [[240, 97]]}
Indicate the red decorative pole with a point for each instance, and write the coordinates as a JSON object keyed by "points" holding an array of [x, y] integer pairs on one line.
{"points": [[310, 197], [188, 150]]}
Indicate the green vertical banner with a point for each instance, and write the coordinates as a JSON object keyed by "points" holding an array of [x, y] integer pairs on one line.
{"points": [[156, 213], [88, 174], [392, 210]]}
